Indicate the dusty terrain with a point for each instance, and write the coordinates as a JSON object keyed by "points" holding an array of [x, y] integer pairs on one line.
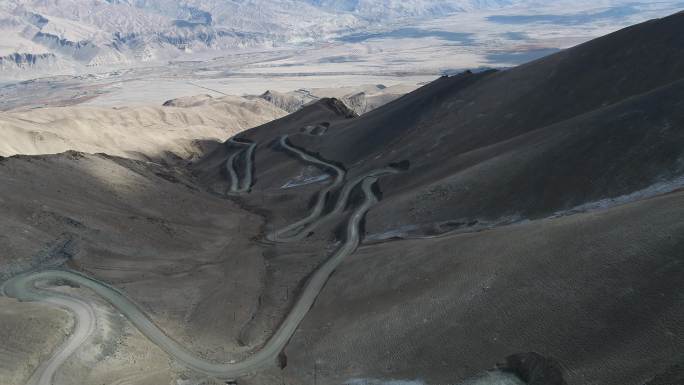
{"points": [[531, 232], [589, 123], [136, 132], [360, 99], [29, 333], [594, 291], [147, 231]]}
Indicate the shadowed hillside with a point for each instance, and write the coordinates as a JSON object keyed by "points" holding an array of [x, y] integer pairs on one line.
{"points": [[518, 227], [597, 121], [540, 208]]}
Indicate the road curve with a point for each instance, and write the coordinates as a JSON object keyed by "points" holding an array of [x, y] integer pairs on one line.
{"points": [[235, 186], [281, 235], [23, 287], [85, 324], [298, 231]]}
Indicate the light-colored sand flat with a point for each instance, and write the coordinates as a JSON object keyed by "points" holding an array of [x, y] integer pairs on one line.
{"points": [[137, 132]]}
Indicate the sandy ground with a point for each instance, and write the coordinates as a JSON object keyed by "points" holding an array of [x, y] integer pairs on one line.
{"points": [[144, 90], [596, 293], [391, 314], [137, 132], [182, 268], [116, 353], [29, 333]]}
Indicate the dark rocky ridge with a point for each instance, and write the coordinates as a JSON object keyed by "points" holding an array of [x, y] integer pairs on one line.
{"points": [[602, 120], [596, 295], [21, 60], [613, 94], [535, 369]]}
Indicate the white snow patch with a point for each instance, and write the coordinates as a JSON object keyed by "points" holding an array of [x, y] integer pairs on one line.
{"points": [[495, 378], [400, 232], [488, 378], [659, 188], [306, 176], [375, 381]]}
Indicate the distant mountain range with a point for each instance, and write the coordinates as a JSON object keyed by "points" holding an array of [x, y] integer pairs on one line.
{"points": [[73, 34], [48, 37]]}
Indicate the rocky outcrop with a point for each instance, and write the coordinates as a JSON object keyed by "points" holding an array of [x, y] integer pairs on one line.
{"points": [[535, 369], [82, 51], [25, 60], [289, 102]]}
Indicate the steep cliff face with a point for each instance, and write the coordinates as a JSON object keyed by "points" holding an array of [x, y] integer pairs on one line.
{"points": [[82, 51], [18, 61]]}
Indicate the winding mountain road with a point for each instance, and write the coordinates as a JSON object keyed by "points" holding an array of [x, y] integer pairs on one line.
{"points": [[235, 186], [85, 323], [300, 229], [23, 287], [281, 235]]}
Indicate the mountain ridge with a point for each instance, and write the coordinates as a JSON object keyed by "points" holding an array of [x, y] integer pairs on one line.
{"points": [[521, 226]]}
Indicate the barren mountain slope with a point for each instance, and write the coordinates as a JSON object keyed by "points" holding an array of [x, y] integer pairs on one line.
{"points": [[597, 121], [591, 136], [138, 132], [532, 216], [598, 293], [145, 229], [186, 256], [360, 99]]}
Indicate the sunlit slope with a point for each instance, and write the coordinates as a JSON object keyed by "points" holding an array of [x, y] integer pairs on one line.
{"points": [[133, 132]]}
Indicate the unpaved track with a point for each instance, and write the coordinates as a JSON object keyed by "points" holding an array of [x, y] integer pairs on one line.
{"points": [[282, 235], [23, 287], [85, 324], [235, 186], [301, 229]]}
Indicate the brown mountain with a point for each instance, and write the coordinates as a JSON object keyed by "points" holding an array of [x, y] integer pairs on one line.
{"points": [[529, 229]]}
